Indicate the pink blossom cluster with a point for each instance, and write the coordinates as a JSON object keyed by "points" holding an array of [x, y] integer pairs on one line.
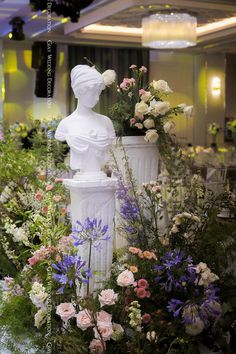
{"points": [[141, 289], [143, 254], [41, 254], [10, 288], [127, 83]]}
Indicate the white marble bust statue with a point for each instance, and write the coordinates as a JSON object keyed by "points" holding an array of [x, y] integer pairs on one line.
{"points": [[88, 134]]}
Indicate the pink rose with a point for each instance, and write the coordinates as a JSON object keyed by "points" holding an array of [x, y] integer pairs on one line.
{"points": [[125, 278], [103, 316], [57, 198], [142, 91], [142, 283], [104, 329], [146, 318], [141, 293], [49, 187], [38, 196], [107, 297], [134, 250], [95, 346], [58, 180], [65, 310], [84, 320], [148, 294], [63, 210], [44, 209]]}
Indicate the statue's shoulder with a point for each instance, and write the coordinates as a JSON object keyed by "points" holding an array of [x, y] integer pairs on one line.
{"points": [[106, 119]]}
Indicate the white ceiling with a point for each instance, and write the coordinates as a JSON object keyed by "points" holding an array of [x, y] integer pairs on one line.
{"points": [[123, 13]]}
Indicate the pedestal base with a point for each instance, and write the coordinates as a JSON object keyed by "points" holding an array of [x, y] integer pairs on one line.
{"points": [[94, 199]]}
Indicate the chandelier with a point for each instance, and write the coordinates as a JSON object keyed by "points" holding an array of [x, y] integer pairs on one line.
{"points": [[166, 31]]}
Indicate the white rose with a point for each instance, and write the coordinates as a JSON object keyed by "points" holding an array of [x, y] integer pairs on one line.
{"points": [[151, 136], [161, 86], [117, 331], [159, 107], [40, 318], [149, 123], [188, 111], [141, 108], [37, 295], [107, 297], [168, 127], [109, 76], [125, 278], [146, 96], [138, 125]]}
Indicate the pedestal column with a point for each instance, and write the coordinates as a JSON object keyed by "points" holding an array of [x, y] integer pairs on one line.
{"points": [[94, 199]]}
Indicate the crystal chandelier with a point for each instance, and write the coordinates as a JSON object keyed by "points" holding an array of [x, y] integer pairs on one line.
{"points": [[166, 31]]}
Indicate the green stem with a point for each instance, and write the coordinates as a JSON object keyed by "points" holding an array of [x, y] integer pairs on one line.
{"points": [[89, 263]]}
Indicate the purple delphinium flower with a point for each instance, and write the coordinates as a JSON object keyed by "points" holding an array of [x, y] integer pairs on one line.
{"points": [[175, 271], [70, 269], [90, 231], [128, 207]]}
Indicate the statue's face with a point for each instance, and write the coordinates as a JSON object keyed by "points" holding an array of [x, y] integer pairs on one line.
{"points": [[90, 97]]}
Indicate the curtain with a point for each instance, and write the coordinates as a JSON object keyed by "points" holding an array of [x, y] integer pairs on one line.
{"points": [[118, 59]]}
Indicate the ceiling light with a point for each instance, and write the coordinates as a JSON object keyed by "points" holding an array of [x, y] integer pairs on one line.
{"points": [[17, 29], [166, 31], [112, 29]]}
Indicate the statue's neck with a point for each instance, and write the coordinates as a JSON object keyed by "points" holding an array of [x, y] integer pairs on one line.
{"points": [[82, 110]]}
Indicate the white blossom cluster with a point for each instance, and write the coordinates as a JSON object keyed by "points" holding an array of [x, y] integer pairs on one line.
{"points": [[135, 316], [180, 218], [19, 233], [206, 275]]}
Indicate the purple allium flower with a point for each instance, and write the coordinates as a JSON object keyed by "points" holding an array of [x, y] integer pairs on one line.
{"points": [[70, 269], [90, 231], [191, 313], [175, 306], [175, 271]]}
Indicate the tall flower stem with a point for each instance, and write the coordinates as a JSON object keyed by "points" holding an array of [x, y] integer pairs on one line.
{"points": [[89, 263]]}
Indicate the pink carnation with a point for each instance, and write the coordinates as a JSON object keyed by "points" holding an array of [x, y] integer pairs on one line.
{"points": [[143, 69], [133, 66], [44, 209], [132, 121], [66, 311], [142, 91]]}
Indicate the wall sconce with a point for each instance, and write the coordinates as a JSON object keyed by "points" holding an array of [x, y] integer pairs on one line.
{"points": [[216, 86]]}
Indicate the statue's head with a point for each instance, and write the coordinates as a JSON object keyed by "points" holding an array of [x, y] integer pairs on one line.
{"points": [[87, 84]]}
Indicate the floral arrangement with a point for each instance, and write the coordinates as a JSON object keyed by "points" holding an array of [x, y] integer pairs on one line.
{"points": [[231, 125], [164, 293], [213, 128], [144, 109]]}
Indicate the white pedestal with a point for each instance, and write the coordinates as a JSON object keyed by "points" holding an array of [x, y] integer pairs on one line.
{"points": [[94, 199], [143, 158]]}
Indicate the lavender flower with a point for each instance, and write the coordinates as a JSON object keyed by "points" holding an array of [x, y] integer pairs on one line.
{"points": [[90, 231], [175, 306], [70, 269]]}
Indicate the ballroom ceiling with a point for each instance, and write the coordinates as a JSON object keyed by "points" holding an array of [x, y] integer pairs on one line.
{"points": [[123, 13]]}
